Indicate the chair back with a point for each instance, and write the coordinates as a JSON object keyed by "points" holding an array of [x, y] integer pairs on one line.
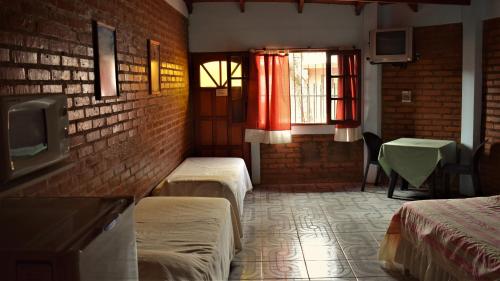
{"points": [[373, 144], [476, 155]]}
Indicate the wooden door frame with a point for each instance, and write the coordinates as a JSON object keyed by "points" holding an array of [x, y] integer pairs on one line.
{"points": [[196, 59]]}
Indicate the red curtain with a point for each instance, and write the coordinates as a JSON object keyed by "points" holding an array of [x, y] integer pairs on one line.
{"points": [[269, 93], [347, 107]]}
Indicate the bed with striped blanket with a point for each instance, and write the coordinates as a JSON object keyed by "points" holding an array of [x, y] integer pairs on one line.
{"points": [[455, 239]]}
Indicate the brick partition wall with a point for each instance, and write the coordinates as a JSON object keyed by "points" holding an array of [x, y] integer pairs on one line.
{"points": [[311, 159], [491, 107], [435, 80], [121, 146]]}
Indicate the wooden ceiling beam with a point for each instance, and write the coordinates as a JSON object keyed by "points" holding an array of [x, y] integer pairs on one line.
{"points": [[242, 6], [358, 8], [300, 6], [351, 2], [413, 7]]}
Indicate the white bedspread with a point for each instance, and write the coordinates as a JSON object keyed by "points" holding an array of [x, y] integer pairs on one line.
{"points": [[185, 238], [210, 177]]}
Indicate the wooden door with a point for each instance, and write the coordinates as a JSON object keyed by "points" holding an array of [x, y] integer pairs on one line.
{"points": [[219, 87]]}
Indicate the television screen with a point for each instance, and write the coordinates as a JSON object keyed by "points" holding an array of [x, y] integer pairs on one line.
{"points": [[27, 132], [391, 43]]}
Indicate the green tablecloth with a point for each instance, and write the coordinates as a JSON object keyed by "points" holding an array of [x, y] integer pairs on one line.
{"points": [[415, 159]]}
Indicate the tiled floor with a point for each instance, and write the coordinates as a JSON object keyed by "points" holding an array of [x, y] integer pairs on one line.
{"points": [[314, 232]]}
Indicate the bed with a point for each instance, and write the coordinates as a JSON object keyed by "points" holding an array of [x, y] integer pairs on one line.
{"points": [[210, 177], [185, 238], [456, 239]]}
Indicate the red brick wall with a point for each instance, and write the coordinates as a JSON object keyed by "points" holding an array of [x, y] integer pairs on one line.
{"points": [[311, 159], [435, 80], [122, 146], [491, 106]]}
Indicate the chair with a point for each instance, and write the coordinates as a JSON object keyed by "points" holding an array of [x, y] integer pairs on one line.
{"points": [[373, 144], [471, 169]]}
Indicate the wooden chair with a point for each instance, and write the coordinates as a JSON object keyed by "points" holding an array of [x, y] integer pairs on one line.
{"points": [[373, 144], [471, 169]]}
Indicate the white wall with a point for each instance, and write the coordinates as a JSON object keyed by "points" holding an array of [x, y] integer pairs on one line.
{"points": [[400, 15], [222, 27], [492, 9]]}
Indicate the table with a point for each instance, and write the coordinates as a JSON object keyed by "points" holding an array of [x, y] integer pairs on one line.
{"points": [[414, 159]]}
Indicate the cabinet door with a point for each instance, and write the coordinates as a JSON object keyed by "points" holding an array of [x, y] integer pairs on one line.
{"points": [[112, 255]]}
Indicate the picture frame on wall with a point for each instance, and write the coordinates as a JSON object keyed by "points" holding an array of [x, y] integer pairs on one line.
{"points": [[154, 67], [105, 61]]}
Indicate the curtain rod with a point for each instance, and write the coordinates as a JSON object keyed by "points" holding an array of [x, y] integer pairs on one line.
{"points": [[304, 49]]}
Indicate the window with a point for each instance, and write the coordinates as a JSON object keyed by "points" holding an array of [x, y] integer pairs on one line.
{"points": [[325, 87], [308, 87], [213, 74]]}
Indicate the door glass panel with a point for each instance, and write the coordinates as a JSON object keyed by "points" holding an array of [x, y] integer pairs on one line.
{"points": [[338, 109], [205, 80], [236, 83], [213, 74], [235, 70], [334, 61], [210, 74], [335, 87], [334, 109], [223, 76]]}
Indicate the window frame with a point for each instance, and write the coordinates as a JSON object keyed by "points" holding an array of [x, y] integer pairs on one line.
{"points": [[329, 76]]}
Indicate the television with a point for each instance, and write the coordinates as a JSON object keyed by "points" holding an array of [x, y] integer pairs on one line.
{"points": [[391, 45], [34, 134]]}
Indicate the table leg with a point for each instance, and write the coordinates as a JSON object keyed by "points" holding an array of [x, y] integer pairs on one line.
{"points": [[393, 178], [433, 185], [404, 184], [446, 184]]}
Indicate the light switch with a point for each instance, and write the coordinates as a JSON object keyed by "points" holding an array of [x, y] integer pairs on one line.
{"points": [[405, 96]]}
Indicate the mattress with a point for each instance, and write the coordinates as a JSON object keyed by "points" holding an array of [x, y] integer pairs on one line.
{"points": [[210, 177], [185, 238], [456, 239]]}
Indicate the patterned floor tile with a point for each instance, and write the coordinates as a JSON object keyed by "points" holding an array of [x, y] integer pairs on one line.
{"points": [[278, 219], [360, 252], [367, 268], [335, 279], [283, 252], [348, 226], [308, 210], [270, 239], [378, 236], [388, 278], [356, 238], [254, 229], [317, 239], [272, 210], [246, 271], [376, 225], [248, 254], [327, 269], [323, 253], [318, 231], [284, 270], [305, 225]]}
